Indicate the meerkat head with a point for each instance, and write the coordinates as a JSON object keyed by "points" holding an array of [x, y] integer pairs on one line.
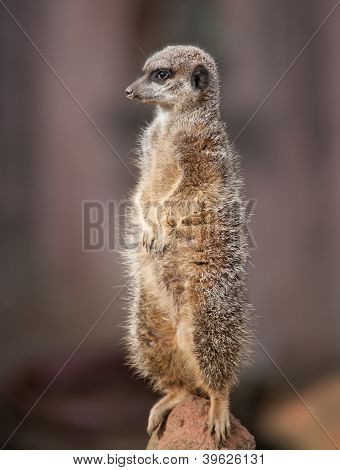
{"points": [[179, 77]]}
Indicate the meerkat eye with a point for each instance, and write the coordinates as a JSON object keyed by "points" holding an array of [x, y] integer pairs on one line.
{"points": [[159, 76]]}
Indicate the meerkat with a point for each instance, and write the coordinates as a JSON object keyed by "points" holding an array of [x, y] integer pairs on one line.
{"points": [[188, 328]]}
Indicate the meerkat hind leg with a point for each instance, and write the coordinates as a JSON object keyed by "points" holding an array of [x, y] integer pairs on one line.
{"points": [[219, 420], [163, 407]]}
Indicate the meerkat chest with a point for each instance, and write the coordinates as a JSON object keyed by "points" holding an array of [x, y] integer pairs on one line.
{"points": [[163, 173]]}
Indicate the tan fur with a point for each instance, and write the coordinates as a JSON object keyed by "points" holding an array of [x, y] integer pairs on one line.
{"points": [[187, 329]]}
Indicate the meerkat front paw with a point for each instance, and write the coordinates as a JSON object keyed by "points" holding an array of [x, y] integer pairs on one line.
{"points": [[148, 239], [153, 241]]}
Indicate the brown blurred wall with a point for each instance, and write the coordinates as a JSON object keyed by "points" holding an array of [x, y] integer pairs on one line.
{"points": [[52, 159]]}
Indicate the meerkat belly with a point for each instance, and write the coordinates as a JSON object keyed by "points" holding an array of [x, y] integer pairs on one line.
{"points": [[170, 342], [196, 251], [184, 340]]}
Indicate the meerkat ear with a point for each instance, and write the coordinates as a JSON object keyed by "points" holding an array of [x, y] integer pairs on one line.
{"points": [[200, 77]]}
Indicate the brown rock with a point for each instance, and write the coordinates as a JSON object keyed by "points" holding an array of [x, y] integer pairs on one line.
{"points": [[186, 428]]}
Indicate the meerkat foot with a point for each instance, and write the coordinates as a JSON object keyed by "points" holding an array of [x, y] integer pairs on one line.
{"points": [[219, 420], [161, 409], [219, 425], [156, 416]]}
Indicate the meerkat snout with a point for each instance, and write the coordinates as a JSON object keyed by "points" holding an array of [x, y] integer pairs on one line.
{"points": [[177, 76], [129, 92]]}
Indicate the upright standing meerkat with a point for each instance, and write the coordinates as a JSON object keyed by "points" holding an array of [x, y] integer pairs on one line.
{"points": [[188, 324]]}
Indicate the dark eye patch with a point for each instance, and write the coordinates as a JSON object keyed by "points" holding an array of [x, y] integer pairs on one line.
{"points": [[161, 75]]}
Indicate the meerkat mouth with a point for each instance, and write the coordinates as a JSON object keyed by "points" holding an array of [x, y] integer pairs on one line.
{"points": [[133, 95]]}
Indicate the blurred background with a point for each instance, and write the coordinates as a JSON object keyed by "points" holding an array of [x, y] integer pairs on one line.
{"points": [[64, 120]]}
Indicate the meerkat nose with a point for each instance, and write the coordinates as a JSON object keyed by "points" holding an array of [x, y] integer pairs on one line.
{"points": [[129, 92]]}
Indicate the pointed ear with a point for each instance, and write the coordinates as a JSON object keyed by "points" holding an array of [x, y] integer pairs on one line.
{"points": [[200, 77]]}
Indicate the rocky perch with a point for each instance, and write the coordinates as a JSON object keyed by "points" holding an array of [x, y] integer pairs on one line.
{"points": [[186, 428]]}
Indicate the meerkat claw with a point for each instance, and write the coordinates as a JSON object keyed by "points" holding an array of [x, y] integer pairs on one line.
{"points": [[219, 426]]}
